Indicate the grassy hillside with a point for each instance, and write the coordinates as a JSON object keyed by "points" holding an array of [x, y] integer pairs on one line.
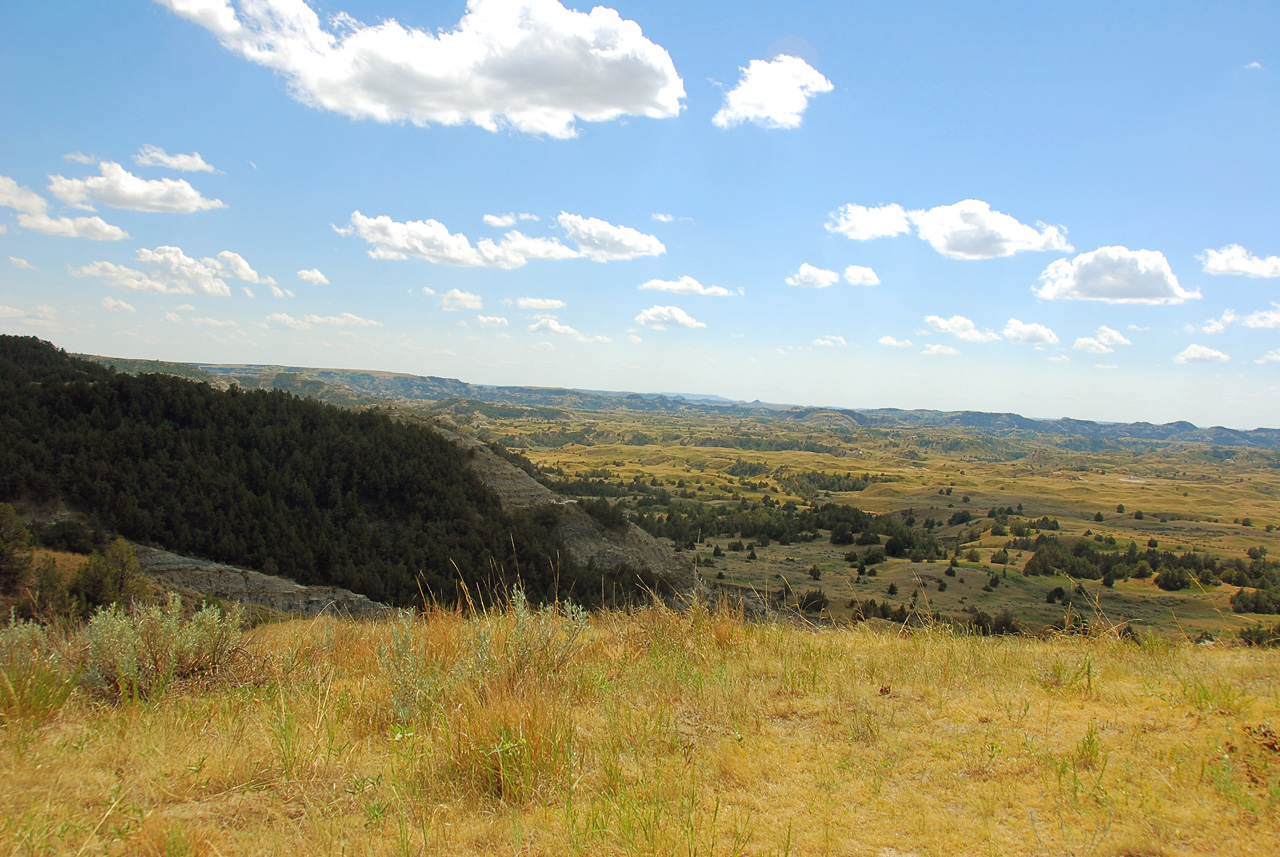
{"points": [[552, 733]]}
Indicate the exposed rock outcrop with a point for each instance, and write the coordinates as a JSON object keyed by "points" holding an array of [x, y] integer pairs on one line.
{"points": [[588, 542], [251, 587]]}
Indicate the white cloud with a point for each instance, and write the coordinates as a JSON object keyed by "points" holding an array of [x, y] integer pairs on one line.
{"points": [[1103, 341], [539, 303], [21, 264], [119, 188], [970, 229], [940, 351], [170, 270], [1263, 318], [831, 341], [10, 312], [277, 292], [531, 65], [662, 317], [21, 198], [961, 328], [550, 324], [1060, 358], [601, 241], [154, 156], [113, 305], [456, 299], [1200, 354], [894, 342], [813, 277], [1234, 259], [501, 221], [1115, 275], [248, 291], [1106, 366], [491, 321], [685, 286], [1272, 356], [121, 277], [79, 158], [1020, 333], [860, 223], [663, 218], [857, 275], [1217, 325], [93, 228], [233, 265], [633, 338], [345, 319], [314, 277], [431, 240], [772, 94], [1255, 66]]}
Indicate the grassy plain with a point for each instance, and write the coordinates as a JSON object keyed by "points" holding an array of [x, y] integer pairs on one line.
{"points": [[1190, 497], [523, 732]]}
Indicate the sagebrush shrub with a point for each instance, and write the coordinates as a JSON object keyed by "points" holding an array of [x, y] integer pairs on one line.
{"points": [[141, 652]]}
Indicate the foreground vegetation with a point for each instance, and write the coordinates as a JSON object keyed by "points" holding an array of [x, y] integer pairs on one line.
{"points": [[548, 731]]}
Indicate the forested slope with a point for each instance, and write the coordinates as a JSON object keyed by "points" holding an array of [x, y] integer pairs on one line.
{"points": [[265, 480]]}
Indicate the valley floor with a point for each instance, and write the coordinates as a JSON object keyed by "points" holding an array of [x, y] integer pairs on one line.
{"points": [[527, 732]]}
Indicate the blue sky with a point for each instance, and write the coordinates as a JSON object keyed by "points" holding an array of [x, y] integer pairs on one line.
{"points": [[1065, 210]]}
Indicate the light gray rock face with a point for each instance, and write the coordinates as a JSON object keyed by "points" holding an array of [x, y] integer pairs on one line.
{"points": [[229, 583], [586, 540]]}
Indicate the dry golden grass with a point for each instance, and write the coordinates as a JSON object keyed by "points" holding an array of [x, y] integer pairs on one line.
{"points": [[657, 733]]}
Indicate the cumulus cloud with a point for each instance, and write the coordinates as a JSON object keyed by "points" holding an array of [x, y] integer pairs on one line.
{"points": [[491, 321], [1255, 66], [1200, 354], [685, 286], [857, 275], [940, 351], [500, 221], [1103, 341], [431, 240], [314, 277], [1020, 333], [662, 317], [601, 241], [970, 229], [550, 324], [154, 156], [1272, 356], [961, 328], [13, 195], [813, 277], [772, 94], [1114, 275], [894, 342], [1263, 318], [539, 303], [831, 341], [21, 264], [456, 299], [860, 223], [118, 188], [345, 319], [169, 270], [1234, 259], [113, 305], [233, 265], [93, 228], [531, 65], [663, 218], [1060, 358], [1217, 325]]}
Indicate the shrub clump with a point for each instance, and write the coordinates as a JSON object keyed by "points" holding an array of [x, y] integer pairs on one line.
{"points": [[141, 652]]}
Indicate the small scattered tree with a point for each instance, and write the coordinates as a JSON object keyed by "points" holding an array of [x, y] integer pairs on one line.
{"points": [[15, 551]]}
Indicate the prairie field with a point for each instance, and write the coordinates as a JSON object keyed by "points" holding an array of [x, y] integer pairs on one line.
{"points": [[550, 731]]}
